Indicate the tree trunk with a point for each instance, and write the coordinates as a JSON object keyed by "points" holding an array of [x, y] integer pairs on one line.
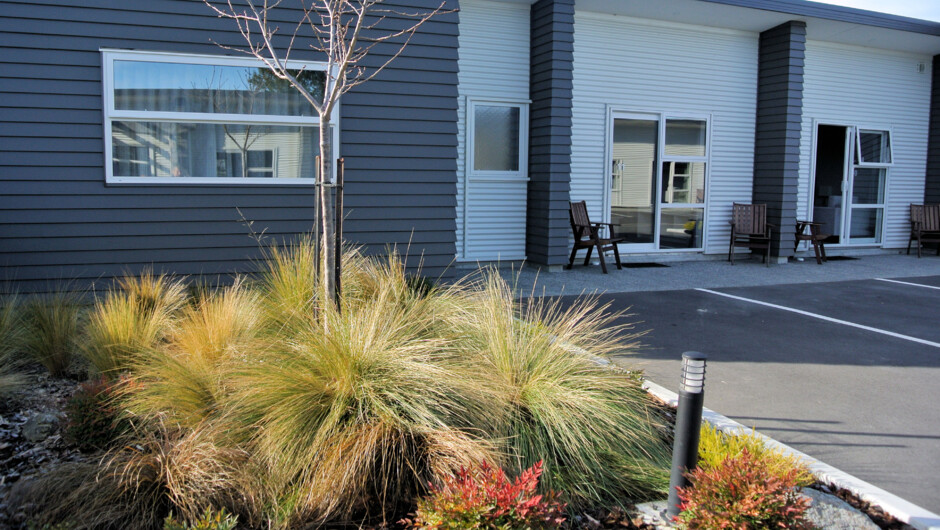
{"points": [[327, 218]]}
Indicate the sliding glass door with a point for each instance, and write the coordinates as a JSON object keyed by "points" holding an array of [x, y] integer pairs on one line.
{"points": [[657, 182], [633, 180]]}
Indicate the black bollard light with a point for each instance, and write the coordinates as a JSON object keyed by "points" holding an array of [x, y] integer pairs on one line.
{"points": [[688, 425]]}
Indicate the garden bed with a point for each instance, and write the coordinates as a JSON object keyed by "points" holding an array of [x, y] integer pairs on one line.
{"points": [[403, 402]]}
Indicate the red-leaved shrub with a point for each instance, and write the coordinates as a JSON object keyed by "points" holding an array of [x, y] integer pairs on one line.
{"points": [[94, 420], [485, 498], [742, 493]]}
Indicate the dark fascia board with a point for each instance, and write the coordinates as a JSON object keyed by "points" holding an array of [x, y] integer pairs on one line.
{"points": [[806, 8]]}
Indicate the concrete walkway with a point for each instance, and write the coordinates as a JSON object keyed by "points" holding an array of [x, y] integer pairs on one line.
{"points": [[746, 272]]}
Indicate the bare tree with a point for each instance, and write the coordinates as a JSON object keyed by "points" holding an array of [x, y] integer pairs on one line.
{"points": [[344, 32]]}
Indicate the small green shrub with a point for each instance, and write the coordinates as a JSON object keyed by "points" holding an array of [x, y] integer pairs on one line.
{"points": [[485, 498], [716, 446], [11, 335], [742, 492], [52, 325], [210, 520], [94, 420]]}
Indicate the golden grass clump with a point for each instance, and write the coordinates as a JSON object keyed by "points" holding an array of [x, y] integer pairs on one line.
{"points": [[11, 335], [51, 329], [164, 470], [289, 283], [716, 446], [185, 376], [130, 321], [357, 419], [591, 424]]}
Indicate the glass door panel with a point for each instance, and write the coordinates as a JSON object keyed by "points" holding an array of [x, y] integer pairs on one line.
{"points": [[866, 225], [633, 179], [681, 228], [867, 208]]}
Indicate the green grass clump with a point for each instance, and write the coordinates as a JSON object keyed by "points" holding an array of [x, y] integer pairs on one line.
{"points": [[289, 283], [185, 376], [11, 335], [51, 329], [716, 446], [357, 409], [130, 321], [592, 425]]}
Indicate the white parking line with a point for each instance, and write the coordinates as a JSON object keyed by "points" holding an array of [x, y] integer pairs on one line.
{"points": [[908, 283], [827, 319]]}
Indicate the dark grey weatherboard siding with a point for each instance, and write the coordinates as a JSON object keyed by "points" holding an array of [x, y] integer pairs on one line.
{"points": [[779, 122], [59, 221], [932, 190], [550, 74]]}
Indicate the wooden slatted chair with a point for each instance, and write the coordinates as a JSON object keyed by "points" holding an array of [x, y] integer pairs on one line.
{"points": [[587, 235], [925, 226], [750, 229]]}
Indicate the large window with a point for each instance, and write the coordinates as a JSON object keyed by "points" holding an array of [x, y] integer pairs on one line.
{"points": [[181, 119]]}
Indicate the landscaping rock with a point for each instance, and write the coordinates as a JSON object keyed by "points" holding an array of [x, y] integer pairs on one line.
{"points": [[831, 512], [40, 426]]}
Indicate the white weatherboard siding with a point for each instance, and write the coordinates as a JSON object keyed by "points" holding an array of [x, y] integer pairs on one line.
{"points": [[640, 66], [849, 85], [494, 65]]}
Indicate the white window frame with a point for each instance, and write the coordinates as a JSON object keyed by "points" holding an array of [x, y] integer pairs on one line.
{"points": [[523, 171], [613, 113], [858, 147], [112, 114]]}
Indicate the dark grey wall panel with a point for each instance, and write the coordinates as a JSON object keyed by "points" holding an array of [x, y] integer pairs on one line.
{"points": [[58, 220], [779, 118], [551, 69], [932, 190]]}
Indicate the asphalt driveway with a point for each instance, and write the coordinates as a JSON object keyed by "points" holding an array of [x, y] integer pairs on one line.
{"points": [[848, 372]]}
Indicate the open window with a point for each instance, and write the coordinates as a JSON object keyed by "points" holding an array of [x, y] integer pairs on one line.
{"points": [[196, 119]]}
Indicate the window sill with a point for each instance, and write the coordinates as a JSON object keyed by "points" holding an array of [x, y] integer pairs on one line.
{"points": [[209, 181]]}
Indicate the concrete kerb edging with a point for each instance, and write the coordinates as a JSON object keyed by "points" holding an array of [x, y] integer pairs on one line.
{"points": [[897, 507]]}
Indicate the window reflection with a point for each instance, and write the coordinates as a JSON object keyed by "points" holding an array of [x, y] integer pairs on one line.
{"points": [[173, 149], [179, 87], [681, 228]]}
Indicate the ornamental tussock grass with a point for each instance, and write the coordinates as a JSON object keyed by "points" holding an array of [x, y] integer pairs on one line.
{"points": [[51, 329], [591, 424], [358, 419], [289, 284], [130, 320], [289, 413], [11, 334], [138, 485], [185, 376]]}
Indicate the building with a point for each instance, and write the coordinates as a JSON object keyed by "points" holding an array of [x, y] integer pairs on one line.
{"points": [[129, 138]]}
